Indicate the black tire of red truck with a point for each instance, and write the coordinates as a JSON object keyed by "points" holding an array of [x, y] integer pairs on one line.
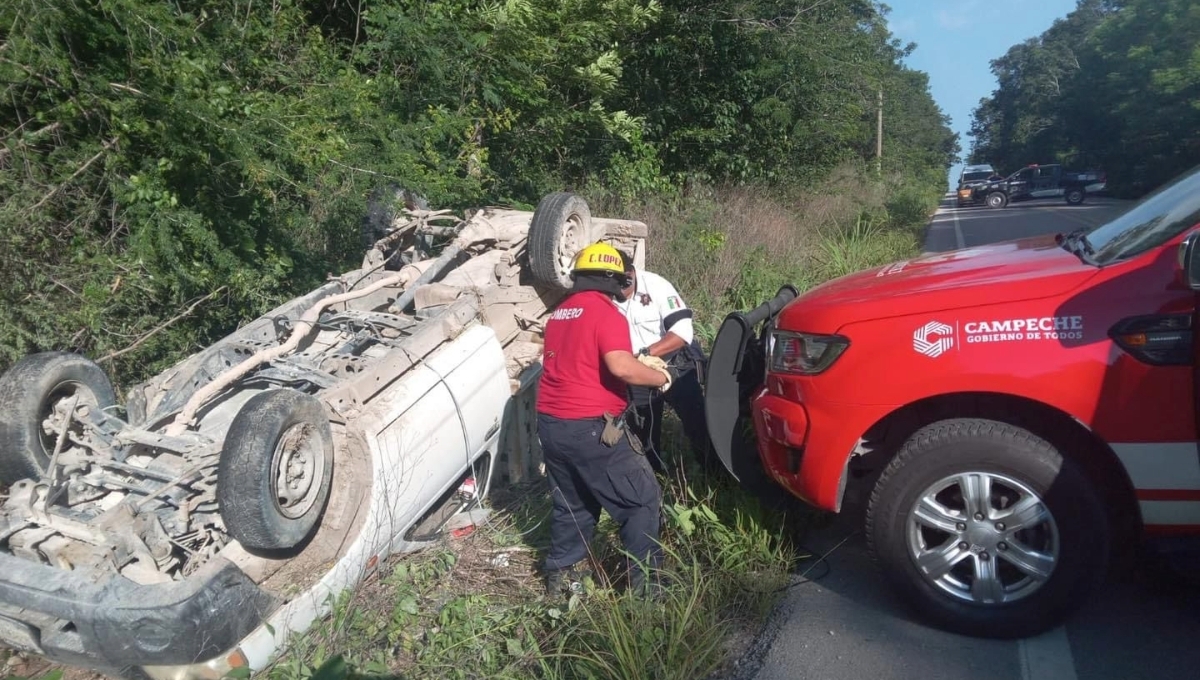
{"points": [[972, 510]]}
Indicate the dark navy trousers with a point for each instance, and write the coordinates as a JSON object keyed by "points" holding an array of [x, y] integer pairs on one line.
{"points": [[585, 476]]}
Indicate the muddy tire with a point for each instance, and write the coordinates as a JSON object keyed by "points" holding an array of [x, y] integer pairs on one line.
{"points": [[276, 470], [29, 391], [561, 227], [997, 199], [987, 530]]}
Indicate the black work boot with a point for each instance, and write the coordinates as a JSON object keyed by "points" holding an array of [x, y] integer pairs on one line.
{"points": [[566, 582], [652, 586]]}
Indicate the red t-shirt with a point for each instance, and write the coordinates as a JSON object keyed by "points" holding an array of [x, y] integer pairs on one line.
{"points": [[575, 382]]}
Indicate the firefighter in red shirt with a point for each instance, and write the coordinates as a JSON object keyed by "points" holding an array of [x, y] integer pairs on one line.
{"points": [[587, 364]]}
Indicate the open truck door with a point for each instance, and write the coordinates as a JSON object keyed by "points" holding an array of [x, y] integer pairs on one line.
{"points": [[736, 369], [1189, 261]]}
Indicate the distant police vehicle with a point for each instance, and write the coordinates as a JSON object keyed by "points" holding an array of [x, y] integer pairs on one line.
{"points": [[971, 177], [1038, 181]]}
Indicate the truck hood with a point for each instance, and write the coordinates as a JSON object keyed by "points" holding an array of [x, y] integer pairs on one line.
{"points": [[1000, 273]]}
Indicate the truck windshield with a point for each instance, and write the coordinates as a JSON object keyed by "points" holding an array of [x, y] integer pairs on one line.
{"points": [[973, 176], [1151, 222]]}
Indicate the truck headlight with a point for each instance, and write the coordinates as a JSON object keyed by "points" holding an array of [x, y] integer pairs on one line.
{"points": [[803, 353]]}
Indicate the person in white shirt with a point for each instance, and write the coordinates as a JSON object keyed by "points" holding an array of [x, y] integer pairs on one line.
{"points": [[660, 324]]}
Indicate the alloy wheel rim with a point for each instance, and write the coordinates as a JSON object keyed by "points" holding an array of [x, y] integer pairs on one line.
{"points": [[983, 538]]}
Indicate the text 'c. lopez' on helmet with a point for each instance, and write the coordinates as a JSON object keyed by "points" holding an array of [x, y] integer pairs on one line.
{"points": [[598, 257]]}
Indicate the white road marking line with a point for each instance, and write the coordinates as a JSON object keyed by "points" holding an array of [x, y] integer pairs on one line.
{"points": [[958, 235], [1047, 656]]}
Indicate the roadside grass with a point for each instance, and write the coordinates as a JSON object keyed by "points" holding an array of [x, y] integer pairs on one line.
{"points": [[473, 607], [732, 248]]}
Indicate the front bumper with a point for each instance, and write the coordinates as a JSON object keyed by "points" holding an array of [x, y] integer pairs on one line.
{"points": [[68, 617], [805, 445]]}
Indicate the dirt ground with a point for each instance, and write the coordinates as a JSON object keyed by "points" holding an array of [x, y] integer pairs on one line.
{"points": [[19, 666]]}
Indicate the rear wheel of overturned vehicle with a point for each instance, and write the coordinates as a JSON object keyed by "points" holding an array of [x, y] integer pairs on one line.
{"points": [[276, 470], [560, 228], [997, 199], [1075, 195], [987, 529], [35, 393]]}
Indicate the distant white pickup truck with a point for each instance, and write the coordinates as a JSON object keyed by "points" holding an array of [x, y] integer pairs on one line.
{"points": [[237, 492]]}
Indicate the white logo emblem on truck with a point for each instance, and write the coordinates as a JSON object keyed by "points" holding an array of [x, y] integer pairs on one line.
{"points": [[933, 339]]}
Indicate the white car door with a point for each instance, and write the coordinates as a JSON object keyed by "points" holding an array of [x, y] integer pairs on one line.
{"points": [[421, 449], [474, 370]]}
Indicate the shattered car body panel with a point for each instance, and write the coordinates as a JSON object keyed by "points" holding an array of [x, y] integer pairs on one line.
{"points": [[118, 551]]}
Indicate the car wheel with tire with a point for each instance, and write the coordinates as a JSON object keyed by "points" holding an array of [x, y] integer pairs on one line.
{"points": [[560, 228], [997, 199], [987, 529], [1075, 195], [275, 471], [31, 391]]}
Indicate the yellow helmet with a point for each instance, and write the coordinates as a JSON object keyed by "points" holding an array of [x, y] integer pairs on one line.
{"points": [[599, 257]]}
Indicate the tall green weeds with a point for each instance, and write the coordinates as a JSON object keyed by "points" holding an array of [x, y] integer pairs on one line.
{"points": [[450, 612], [733, 247]]}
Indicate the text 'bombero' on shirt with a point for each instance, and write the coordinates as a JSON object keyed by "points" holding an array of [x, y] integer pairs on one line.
{"points": [[575, 382]]}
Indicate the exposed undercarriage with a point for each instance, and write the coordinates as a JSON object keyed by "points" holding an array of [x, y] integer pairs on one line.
{"points": [[136, 491]]}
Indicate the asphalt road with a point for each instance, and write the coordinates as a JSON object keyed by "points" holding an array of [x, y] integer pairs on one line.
{"points": [[847, 625], [954, 227]]}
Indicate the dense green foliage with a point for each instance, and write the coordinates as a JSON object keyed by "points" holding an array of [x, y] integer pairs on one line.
{"points": [[1113, 85], [171, 168]]}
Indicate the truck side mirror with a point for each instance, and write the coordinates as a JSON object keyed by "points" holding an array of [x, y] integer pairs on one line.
{"points": [[1189, 259]]}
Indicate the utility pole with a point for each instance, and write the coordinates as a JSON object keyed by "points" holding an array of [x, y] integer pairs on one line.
{"points": [[879, 135]]}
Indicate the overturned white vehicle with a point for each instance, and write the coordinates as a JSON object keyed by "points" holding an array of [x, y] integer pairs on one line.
{"points": [[250, 482]]}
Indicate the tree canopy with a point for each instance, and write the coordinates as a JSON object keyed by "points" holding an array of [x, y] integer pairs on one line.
{"points": [[213, 157], [1114, 85]]}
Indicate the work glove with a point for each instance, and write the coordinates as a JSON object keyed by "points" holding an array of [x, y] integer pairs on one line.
{"points": [[661, 366]]}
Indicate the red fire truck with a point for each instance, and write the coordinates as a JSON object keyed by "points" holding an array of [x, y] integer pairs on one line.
{"points": [[1017, 413]]}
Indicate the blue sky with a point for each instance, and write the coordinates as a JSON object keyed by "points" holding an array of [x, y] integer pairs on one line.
{"points": [[956, 40]]}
